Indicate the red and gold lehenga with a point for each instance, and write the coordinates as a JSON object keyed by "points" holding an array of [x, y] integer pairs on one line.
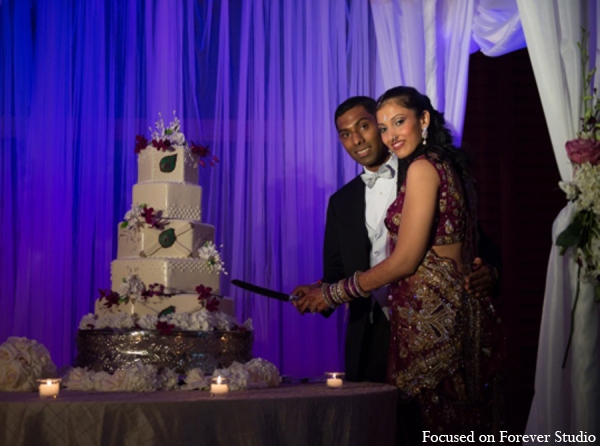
{"points": [[445, 345]]}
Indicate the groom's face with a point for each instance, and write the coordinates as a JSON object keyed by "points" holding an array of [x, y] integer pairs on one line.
{"points": [[358, 133]]}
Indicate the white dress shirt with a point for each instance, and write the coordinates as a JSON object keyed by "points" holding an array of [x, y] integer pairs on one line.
{"points": [[378, 199]]}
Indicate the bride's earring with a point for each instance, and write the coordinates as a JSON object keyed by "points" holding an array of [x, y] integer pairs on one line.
{"points": [[424, 135]]}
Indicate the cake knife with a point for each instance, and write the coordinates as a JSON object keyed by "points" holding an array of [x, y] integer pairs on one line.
{"points": [[264, 291]]}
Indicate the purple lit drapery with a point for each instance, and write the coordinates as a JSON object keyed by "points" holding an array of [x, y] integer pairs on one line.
{"points": [[257, 81]]}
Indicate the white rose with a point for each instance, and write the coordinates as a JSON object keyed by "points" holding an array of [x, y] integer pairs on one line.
{"points": [[13, 377], [177, 138], [8, 352], [104, 381], [88, 322], [140, 377], [196, 379], [167, 379], [77, 378], [122, 320], [236, 374], [200, 321], [263, 371], [148, 322]]}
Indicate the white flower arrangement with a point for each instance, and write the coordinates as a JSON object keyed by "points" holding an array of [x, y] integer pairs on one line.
{"points": [[584, 192], [138, 377], [582, 235], [133, 220], [201, 320], [172, 133], [212, 257], [132, 287], [22, 363]]}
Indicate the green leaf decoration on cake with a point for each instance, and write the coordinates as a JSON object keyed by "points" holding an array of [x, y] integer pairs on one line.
{"points": [[167, 238], [170, 309], [168, 163]]}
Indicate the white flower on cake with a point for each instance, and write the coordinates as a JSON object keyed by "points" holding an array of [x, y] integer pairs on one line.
{"points": [[139, 216], [133, 287], [147, 322], [88, 322], [22, 362], [133, 219], [201, 320], [209, 253], [172, 133]]}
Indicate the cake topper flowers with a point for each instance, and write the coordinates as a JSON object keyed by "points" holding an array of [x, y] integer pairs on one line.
{"points": [[169, 138], [583, 233]]}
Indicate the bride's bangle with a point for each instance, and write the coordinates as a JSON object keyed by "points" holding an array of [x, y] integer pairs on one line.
{"points": [[325, 292], [355, 286]]}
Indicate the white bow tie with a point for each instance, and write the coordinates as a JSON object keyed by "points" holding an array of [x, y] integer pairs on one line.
{"points": [[384, 171]]}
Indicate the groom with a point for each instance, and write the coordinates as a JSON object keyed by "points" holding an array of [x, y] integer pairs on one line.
{"points": [[356, 237]]}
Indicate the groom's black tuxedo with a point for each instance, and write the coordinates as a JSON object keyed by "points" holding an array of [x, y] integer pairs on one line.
{"points": [[346, 249]]}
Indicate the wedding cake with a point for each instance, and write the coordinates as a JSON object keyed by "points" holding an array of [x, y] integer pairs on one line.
{"points": [[164, 306]]}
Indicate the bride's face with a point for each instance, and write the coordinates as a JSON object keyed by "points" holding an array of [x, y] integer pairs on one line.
{"points": [[401, 128]]}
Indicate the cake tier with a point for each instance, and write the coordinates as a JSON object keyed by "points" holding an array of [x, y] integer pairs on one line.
{"points": [[178, 239], [175, 200], [177, 275], [183, 303], [174, 165], [110, 350]]}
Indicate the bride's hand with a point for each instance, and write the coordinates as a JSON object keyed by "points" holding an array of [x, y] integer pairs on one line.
{"points": [[311, 299]]}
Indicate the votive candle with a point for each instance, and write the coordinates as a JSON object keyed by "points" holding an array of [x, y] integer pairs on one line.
{"points": [[219, 386], [49, 388], [335, 380]]}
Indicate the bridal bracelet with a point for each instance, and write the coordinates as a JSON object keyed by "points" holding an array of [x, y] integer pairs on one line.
{"points": [[343, 291]]}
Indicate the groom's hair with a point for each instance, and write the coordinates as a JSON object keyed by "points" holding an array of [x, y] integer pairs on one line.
{"points": [[368, 103]]}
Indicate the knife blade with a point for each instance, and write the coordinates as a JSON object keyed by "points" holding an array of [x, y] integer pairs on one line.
{"points": [[264, 291]]}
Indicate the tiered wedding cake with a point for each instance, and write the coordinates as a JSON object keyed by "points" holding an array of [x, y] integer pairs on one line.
{"points": [[163, 306]]}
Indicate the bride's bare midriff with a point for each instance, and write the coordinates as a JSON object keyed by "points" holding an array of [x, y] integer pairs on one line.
{"points": [[453, 251]]}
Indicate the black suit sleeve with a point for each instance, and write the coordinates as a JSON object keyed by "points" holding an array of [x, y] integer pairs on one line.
{"points": [[333, 266]]}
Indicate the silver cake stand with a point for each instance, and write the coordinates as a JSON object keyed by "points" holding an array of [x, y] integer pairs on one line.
{"points": [[110, 349]]}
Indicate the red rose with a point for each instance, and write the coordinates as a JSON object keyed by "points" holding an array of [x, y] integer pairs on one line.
{"points": [[583, 150]]}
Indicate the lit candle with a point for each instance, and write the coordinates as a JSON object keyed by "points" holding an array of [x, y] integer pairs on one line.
{"points": [[49, 388], [219, 386], [335, 380]]}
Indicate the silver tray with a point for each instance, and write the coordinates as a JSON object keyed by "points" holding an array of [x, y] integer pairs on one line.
{"points": [[110, 350]]}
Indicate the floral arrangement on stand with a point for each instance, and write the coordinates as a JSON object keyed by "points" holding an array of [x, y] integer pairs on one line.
{"points": [[22, 362], [137, 377], [582, 235]]}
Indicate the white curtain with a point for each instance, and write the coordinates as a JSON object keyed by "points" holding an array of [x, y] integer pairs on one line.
{"points": [[427, 45], [565, 399]]}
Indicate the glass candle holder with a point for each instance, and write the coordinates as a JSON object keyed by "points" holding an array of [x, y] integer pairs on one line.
{"points": [[219, 386], [335, 380], [49, 387]]}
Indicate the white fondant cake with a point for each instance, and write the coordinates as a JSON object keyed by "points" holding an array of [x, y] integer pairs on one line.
{"points": [[166, 258], [175, 200], [178, 239], [177, 165], [164, 308]]}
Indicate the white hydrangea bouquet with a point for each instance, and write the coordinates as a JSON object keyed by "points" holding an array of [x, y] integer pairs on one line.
{"points": [[22, 362], [582, 235]]}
